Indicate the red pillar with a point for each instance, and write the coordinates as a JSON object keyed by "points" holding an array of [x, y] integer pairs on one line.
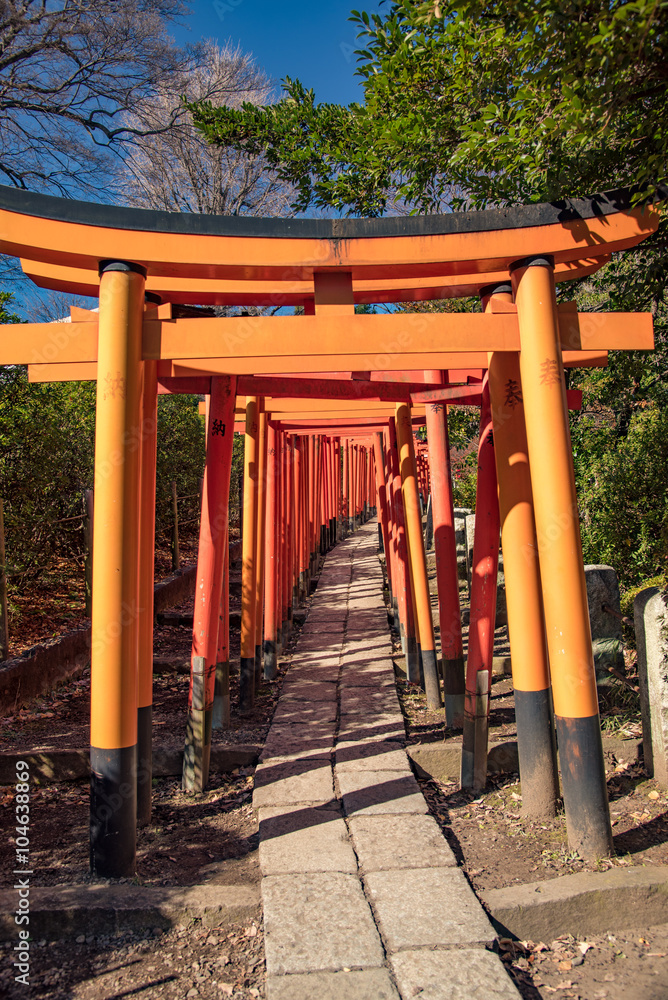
{"points": [[483, 607], [445, 550], [215, 509]]}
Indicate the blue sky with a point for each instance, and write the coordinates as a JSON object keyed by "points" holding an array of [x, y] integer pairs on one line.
{"points": [[310, 41]]}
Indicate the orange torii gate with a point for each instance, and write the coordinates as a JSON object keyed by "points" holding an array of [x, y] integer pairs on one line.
{"points": [[145, 266]]}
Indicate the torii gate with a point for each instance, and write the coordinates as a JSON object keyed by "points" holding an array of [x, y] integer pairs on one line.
{"points": [[140, 263]]}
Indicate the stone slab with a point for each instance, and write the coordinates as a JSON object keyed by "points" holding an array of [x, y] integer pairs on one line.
{"points": [[371, 756], [582, 904], [302, 839], [390, 842], [365, 700], [361, 984], [452, 975], [66, 911], [354, 728], [293, 782], [289, 741], [374, 674], [427, 907], [379, 792], [316, 666], [303, 689], [304, 713], [324, 627], [303, 926]]}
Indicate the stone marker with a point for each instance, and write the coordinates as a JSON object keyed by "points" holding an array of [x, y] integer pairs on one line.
{"points": [[606, 630], [461, 513], [651, 624]]}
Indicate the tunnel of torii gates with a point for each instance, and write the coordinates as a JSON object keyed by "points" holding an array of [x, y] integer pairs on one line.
{"points": [[330, 400]]}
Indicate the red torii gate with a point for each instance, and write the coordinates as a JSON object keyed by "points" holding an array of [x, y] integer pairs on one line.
{"points": [[327, 266]]}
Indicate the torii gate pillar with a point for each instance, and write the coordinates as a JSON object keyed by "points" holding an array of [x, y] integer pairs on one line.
{"points": [[561, 563], [114, 637]]}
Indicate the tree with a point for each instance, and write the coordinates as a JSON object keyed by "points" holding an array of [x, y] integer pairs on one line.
{"points": [[170, 165], [512, 102], [471, 104], [70, 70]]}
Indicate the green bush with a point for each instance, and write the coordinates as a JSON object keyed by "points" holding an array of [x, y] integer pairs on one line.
{"points": [[623, 496], [47, 447]]}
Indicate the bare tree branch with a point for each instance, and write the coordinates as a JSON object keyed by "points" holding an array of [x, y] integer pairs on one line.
{"points": [[70, 73]]}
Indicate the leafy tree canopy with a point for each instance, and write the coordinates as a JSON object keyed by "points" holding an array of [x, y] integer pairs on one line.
{"points": [[475, 103]]}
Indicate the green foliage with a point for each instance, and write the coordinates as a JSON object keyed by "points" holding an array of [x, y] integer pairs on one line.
{"points": [[181, 453], [471, 103], [624, 497], [514, 101], [46, 459], [47, 443]]}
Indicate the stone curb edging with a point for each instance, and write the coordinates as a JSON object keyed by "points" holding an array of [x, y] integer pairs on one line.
{"points": [[67, 911], [74, 765], [581, 904]]}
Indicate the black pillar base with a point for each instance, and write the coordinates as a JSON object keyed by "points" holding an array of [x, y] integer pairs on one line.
{"points": [[454, 691], [412, 660], [221, 697], [197, 750], [585, 791], [113, 812], [246, 683], [432, 684], [270, 659], [144, 764], [537, 754]]}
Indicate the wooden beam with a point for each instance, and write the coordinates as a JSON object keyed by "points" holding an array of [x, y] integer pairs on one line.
{"points": [[378, 342]]}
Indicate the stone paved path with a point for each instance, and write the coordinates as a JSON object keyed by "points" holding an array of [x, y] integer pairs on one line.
{"points": [[362, 896]]}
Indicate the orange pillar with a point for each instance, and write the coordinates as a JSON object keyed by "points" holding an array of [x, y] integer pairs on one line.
{"points": [[561, 563], [114, 638], [526, 627], [271, 556], [149, 442], [249, 554], [261, 529], [418, 564]]}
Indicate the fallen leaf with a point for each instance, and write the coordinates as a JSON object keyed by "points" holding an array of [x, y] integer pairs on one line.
{"points": [[584, 946], [565, 966], [653, 795]]}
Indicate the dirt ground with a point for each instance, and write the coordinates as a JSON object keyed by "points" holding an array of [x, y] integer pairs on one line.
{"points": [[213, 838], [192, 962]]}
